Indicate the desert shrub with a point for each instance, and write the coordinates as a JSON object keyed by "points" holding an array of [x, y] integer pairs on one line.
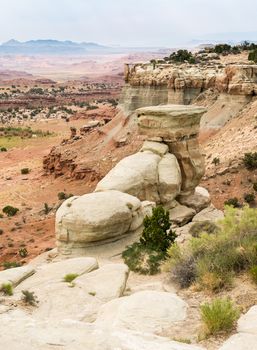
{"points": [[216, 161], [249, 197], [221, 48], [253, 273], [250, 160], [29, 298], [70, 277], [204, 226], [63, 195], [10, 264], [233, 202], [10, 211], [182, 56], [219, 316], [25, 171], [255, 186], [7, 289], [3, 149], [47, 209], [213, 260], [146, 256], [23, 252], [253, 56]]}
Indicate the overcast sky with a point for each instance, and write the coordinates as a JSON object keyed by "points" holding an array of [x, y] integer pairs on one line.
{"points": [[125, 22]]}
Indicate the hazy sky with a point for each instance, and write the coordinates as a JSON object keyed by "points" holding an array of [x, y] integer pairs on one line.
{"points": [[125, 22]]}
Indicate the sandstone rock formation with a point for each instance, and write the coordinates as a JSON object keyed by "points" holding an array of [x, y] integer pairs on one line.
{"points": [[165, 172], [145, 311], [96, 218], [230, 86], [178, 127], [146, 175]]}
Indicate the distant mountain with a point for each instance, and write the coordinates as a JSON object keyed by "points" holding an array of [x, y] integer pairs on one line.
{"points": [[56, 47], [50, 47]]}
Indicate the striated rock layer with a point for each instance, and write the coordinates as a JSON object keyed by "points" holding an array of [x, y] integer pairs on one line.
{"points": [[149, 85]]}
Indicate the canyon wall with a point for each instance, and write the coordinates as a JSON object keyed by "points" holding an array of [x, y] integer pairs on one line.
{"points": [[225, 89]]}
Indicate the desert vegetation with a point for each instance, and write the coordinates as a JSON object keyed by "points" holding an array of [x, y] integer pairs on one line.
{"points": [[147, 255], [212, 260]]}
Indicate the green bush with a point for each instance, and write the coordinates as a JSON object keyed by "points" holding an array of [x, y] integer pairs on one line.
{"points": [[255, 186], [233, 202], [25, 171], [249, 197], [250, 160], [213, 260], [70, 277], [253, 273], [219, 316], [10, 211], [63, 195], [23, 252], [146, 256], [3, 149], [29, 298], [7, 289], [10, 265]]}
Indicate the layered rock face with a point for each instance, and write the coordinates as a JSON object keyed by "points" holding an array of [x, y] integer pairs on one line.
{"points": [[178, 127], [149, 84], [166, 171]]}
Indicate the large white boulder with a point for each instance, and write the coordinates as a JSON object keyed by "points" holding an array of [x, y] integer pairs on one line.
{"points": [[145, 311], [136, 175], [97, 217], [152, 174], [169, 178]]}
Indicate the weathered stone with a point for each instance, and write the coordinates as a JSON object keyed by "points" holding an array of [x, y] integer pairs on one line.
{"points": [[240, 341], [136, 175], [95, 218], [171, 122], [145, 311], [247, 323], [199, 200], [209, 214], [55, 272], [169, 178], [156, 147], [106, 283], [181, 214], [16, 275]]}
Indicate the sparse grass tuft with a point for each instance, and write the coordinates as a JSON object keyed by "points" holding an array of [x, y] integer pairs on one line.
{"points": [[7, 289], [219, 316], [70, 277]]}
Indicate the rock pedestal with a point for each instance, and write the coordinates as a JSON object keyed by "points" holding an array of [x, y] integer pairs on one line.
{"points": [[178, 127]]}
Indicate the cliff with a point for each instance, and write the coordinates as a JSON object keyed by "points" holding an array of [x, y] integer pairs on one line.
{"points": [[224, 89]]}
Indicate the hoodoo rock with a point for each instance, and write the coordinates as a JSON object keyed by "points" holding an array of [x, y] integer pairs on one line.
{"points": [[164, 172], [178, 126]]}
